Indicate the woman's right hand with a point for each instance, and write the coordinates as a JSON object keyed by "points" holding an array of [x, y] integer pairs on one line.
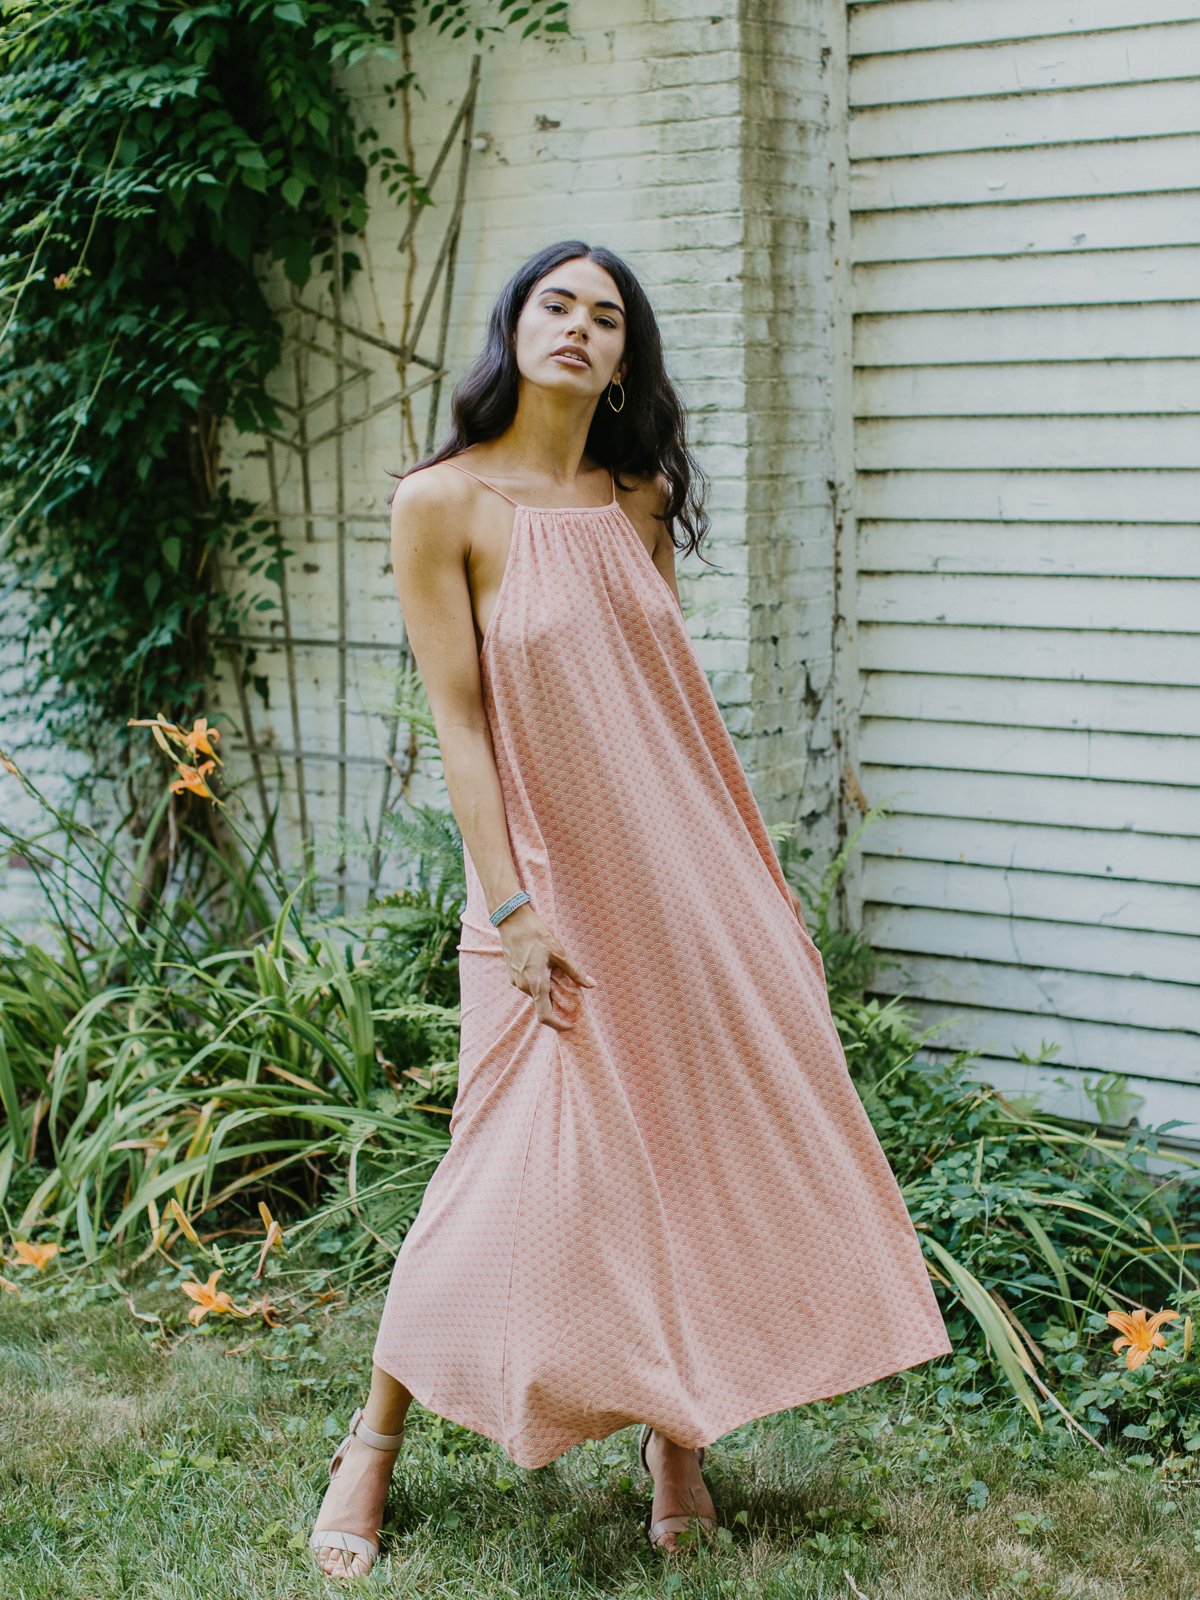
{"points": [[536, 960]]}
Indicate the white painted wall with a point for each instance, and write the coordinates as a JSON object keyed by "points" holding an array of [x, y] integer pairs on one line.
{"points": [[1026, 298]]}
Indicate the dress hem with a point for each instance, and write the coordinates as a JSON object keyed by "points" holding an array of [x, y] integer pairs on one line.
{"points": [[806, 1396]]}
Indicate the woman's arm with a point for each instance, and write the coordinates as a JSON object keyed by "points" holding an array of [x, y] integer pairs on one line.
{"points": [[429, 561]]}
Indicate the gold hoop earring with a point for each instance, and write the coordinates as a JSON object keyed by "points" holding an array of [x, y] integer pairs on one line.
{"points": [[620, 386]]}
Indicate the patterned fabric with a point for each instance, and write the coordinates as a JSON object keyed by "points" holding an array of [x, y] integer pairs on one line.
{"points": [[677, 1211]]}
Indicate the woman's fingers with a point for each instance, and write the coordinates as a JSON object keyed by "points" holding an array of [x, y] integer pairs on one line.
{"points": [[553, 988], [543, 999], [568, 966], [537, 963]]}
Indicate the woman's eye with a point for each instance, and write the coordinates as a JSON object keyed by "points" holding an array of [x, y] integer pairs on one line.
{"points": [[554, 305]]}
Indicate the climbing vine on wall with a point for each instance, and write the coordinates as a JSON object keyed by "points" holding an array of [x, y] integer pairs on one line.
{"points": [[153, 157]]}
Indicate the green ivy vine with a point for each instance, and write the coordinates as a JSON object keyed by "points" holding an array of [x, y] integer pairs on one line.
{"points": [[152, 156]]}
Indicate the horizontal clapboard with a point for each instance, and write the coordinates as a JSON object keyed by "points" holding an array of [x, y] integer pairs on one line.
{"points": [[1141, 53], [1151, 605], [914, 444], [1022, 985], [884, 27], [1097, 550], [1061, 897], [1088, 852], [1025, 280], [1056, 172], [1010, 122], [1012, 797], [1068, 705], [1079, 278], [1087, 755], [1031, 496], [1090, 333], [1069, 389], [1037, 944], [1087, 1046], [1114, 222], [1021, 652]]}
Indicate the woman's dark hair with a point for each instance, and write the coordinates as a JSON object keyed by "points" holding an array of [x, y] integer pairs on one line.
{"points": [[648, 434]]}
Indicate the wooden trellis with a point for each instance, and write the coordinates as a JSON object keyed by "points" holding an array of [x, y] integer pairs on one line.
{"points": [[331, 390]]}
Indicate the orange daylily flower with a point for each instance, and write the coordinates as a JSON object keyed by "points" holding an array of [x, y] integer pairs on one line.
{"points": [[1140, 1332], [11, 1287], [34, 1255], [198, 741], [209, 1298], [192, 779], [162, 731], [62, 280]]}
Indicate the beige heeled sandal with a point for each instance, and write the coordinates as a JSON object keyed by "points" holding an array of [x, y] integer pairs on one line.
{"points": [[353, 1543], [678, 1522]]}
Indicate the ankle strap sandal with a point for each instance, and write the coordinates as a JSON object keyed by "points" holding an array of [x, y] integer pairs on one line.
{"points": [[676, 1522], [335, 1538]]}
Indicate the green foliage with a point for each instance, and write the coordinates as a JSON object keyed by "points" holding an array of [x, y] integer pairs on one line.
{"points": [[205, 1050], [153, 158]]}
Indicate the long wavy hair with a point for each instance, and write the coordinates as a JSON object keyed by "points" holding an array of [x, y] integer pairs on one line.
{"points": [[648, 434]]}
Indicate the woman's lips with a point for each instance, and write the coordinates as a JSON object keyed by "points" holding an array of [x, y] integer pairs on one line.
{"points": [[567, 355]]}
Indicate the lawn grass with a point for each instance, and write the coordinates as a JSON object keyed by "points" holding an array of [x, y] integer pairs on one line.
{"points": [[144, 1464]]}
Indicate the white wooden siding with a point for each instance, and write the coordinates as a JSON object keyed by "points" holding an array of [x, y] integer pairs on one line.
{"points": [[1025, 245]]}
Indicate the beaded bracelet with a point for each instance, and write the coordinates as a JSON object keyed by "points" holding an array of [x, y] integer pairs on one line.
{"points": [[510, 904]]}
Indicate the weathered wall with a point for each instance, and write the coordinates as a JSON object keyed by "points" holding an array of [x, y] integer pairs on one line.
{"points": [[1026, 250], [792, 125], [23, 733]]}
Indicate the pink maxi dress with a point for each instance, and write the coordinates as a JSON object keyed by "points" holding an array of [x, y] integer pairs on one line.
{"points": [[677, 1211]]}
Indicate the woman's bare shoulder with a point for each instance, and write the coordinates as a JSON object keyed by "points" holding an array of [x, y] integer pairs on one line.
{"points": [[439, 487], [432, 513]]}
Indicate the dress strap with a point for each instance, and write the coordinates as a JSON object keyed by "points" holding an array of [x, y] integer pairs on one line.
{"points": [[484, 481]]}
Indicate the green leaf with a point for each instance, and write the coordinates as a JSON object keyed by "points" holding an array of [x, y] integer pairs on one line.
{"points": [[1002, 1339]]}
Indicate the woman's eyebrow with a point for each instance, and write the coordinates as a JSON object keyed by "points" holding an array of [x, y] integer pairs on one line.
{"points": [[610, 305]]}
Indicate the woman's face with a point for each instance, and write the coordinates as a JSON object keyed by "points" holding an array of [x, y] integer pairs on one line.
{"points": [[576, 305]]}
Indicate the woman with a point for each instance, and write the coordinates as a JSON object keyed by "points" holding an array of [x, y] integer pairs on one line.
{"points": [[663, 1200]]}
